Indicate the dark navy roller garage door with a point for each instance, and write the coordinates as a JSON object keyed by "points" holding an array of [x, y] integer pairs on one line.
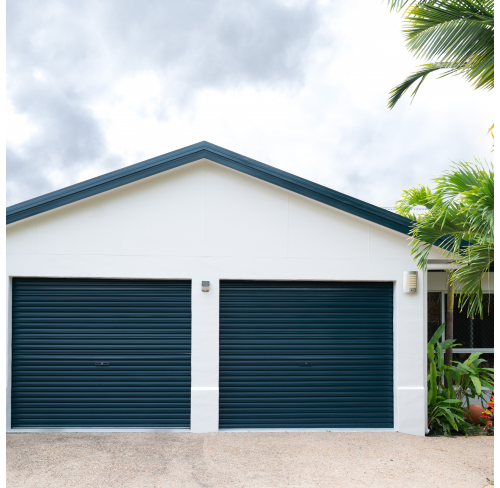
{"points": [[101, 353], [306, 354]]}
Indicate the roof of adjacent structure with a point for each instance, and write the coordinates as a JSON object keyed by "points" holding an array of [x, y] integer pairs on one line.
{"points": [[206, 150]]}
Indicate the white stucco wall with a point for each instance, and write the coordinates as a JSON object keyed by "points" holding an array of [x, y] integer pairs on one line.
{"points": [[206, 222], [438, 282]]}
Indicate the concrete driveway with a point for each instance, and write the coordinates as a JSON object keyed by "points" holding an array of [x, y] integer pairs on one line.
{"points": [[267, 460]]}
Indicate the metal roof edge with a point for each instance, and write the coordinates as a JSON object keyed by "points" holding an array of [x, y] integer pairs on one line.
{"points": [[201, 150]]}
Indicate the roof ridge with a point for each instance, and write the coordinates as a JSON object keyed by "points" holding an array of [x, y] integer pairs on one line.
{"points": [[207, 150]]}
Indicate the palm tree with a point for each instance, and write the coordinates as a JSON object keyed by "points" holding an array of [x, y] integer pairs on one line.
{"points": [[456, 36], [459, 219]]}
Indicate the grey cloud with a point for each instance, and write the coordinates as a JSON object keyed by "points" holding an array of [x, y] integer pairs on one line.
{"points": [[69, 136], [82, 48], [214, 43]]}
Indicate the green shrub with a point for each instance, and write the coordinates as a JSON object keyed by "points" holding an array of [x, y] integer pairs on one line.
{"points": [[451, 387]]}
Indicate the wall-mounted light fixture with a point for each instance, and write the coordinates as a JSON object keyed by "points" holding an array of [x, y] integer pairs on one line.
{"points": [[410, 282], [205, 286]]}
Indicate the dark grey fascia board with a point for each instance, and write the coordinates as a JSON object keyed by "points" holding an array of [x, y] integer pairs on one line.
{"points": [[206, 150], [103, 183]]}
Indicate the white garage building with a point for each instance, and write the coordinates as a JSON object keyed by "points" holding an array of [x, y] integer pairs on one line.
{"points": [[305, 324]]}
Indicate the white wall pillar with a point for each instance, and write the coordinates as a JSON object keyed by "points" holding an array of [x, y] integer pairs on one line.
{"points": [[205, 356], [411, 357]]}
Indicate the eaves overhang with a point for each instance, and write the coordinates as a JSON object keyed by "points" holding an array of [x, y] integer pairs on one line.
{"points": [[230, 159]]}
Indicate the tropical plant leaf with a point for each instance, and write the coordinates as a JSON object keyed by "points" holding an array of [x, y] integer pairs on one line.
{"points": [[440, 356], [449, 343], [474, 356], [451, 418], [399, 4], [419, 76], [455, 35], [433, 375], [487, 384], [451, 391], [437, 335], [460, 221], [477, 384], [463, 367]]}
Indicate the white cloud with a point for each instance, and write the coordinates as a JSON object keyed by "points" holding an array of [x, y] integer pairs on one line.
{"points": [[19, 127]]}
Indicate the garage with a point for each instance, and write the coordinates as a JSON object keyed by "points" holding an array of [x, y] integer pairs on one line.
{"points": [[101, 353], [205, 290], [306, 354]]}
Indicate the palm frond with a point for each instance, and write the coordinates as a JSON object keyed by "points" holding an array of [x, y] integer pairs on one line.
{"points": [[455, 31], [473, 186], [414, 197], [490, 131], [449, 31], [458, 33], [459, 220], [399, 5], [473, 264], [398, 91]]}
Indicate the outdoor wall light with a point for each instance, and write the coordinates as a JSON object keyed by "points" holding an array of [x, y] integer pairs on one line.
{"points": [[205, 285], [409, 281]]}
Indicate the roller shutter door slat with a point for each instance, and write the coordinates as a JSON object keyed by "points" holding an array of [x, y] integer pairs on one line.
{"points": [[268, 330], [62, 327]]}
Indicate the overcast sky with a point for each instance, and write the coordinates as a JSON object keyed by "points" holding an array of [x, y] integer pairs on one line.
{"points": [[97, 85]]}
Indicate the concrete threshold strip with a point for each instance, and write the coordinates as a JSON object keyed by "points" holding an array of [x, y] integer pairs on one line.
{"points": [[173, 430]]}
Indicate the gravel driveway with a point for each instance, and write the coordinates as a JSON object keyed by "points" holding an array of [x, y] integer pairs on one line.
{"points": [[267, 460]]}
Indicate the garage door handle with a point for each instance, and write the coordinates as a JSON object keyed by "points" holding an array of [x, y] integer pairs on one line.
{"points": [[306, 364], [102, 364]]}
